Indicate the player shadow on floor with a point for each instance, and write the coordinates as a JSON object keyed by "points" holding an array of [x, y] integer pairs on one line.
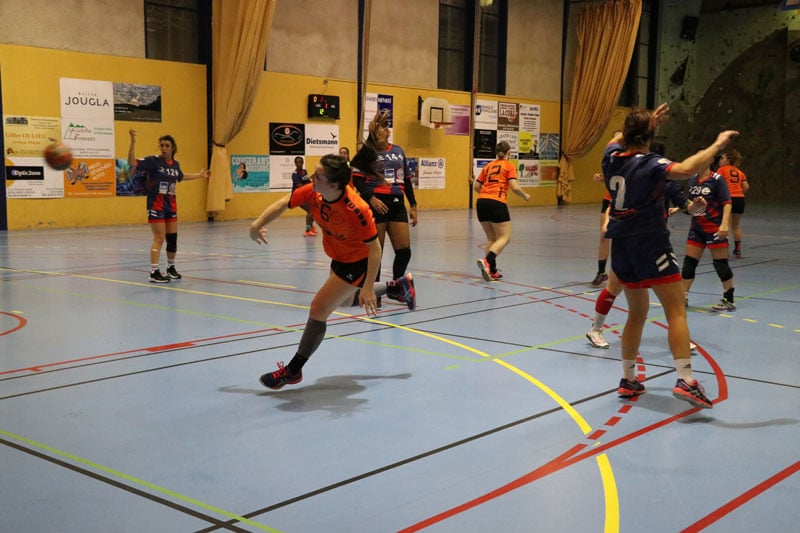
{"points": [[330, 393]]}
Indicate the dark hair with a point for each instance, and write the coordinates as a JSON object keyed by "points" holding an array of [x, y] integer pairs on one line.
{"points": [[503, 147], [296, 158], [171, 139], [336, 169], [366, 160], [638, 128]]}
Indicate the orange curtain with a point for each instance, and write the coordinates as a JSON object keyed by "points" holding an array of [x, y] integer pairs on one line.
{"points": [[606, 37], [240, 33]]}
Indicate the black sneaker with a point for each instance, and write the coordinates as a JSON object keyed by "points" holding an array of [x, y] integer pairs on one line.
{"points": [[280, 377], [629, 389], [157, 277], [692, 393], [172, 273]]}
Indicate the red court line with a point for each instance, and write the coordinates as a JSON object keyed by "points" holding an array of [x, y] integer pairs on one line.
{"points": [[21, 323], [570, 458], [742, 499], [38, 368]]}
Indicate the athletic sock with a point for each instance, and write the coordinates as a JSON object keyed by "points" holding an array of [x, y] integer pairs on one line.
{"points": [[728, 295], [153, 267], [601, 266], [684, 368]]}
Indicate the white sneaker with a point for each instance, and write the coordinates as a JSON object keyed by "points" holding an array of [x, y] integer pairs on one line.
{"points": [[596, 338]]}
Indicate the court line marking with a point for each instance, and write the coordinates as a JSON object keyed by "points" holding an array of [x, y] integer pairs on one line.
{"points": [[137, 481]]}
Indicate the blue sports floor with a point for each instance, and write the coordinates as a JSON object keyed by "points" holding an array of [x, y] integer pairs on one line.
{"points": [[132, 407]]}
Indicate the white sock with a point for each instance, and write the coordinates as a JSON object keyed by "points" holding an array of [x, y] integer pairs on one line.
{"points": [[599, 320], [684, 368], [153, 267]]}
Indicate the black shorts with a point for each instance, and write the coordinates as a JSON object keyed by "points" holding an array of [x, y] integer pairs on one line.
{"points": [[492, 211], [352, 273], [606, 204], [397, 209], [737, 205]]}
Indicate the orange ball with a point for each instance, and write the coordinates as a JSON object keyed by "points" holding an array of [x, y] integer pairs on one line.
{"points": [[58, 156]]}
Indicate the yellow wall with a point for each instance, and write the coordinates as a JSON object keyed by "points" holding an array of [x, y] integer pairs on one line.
{"points": [[31, 87]]}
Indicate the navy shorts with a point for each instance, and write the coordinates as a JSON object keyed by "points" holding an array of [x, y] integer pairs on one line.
{"points": [[642, 261], [700, 238], [492, 211], [397, 209], [163, 208]]}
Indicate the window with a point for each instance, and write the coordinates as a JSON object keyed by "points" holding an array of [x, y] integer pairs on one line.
{"points": [[178, 30], [456, 45], [639, 88]]}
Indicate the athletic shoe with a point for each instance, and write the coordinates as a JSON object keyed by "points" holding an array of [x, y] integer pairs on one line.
{"points": [[172, 273], [629, 389], [737, 255], [694, 394], [157, 277], [599, 279], [723, 305], [310, 233], [496, 276], [280, 377], [486, 273], [596, 338], [408, 293]]}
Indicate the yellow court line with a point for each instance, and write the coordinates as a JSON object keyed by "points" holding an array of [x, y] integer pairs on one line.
{"points": [[579, 420]]}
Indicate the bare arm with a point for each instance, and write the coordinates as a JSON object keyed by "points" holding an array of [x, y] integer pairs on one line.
{"points": [[257, 232], [205, 173], [516, 189], [132, 149], [693, 164], [722, 232]]}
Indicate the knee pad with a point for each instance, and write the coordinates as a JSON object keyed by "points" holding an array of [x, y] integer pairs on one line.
{"points": [[723, 269], [172, 242], [689, 266]]}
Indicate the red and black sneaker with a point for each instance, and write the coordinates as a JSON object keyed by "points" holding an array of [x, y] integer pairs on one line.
{"points": [[629, 389], [280, 377]]}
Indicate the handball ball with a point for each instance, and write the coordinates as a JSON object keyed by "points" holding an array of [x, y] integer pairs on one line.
{"points": [[58, 156]]}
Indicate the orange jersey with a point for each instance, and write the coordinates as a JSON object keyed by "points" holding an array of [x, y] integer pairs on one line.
{"points": [[735, 178], [494, 179], [347, 224]]}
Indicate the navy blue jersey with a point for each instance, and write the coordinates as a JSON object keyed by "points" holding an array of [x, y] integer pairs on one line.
{"points": [[397, 173], [636, 182], [714, 189], [161, 177]]}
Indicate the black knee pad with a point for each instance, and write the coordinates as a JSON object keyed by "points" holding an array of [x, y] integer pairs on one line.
{"points": [[172, 242], [723, 269], [689, 266]]}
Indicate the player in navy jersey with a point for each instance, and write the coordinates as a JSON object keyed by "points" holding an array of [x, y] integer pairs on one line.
{"points": [[641, 254], [386, 194], [162, 174], [299, 178], [709, 229]]}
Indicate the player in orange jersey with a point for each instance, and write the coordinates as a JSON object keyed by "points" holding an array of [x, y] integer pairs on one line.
{"points": [[492, 187], [729, 162]]}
